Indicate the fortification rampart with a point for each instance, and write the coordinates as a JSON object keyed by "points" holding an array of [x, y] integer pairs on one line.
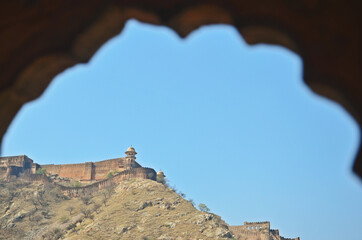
{"points": [[36, 178], [256, 226], [144, 173], [283, 238], [80, 171], [257, 231], [89, 171]]}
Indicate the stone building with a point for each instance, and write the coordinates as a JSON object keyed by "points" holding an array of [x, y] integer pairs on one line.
{"points": [[257, 231], [87, 172], [16, 165]]}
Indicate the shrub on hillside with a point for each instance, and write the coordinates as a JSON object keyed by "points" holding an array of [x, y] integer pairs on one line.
{"points": [[64, 219], [77, 184], [41, 171]]}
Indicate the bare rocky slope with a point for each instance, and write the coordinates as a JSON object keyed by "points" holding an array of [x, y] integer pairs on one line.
{"points": [[134, 209]]}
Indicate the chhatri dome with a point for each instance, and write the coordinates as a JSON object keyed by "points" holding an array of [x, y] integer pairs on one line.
{"points": [[160, 173], [131, 153], [131, 149]]}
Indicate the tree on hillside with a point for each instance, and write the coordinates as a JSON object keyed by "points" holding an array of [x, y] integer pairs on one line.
{"points": [[86, 212], [203, 207], [70, 209], [107, 193], [86, 200]]}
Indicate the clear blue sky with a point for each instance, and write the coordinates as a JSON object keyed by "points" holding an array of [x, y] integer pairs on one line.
{"points": [[231, 125]]}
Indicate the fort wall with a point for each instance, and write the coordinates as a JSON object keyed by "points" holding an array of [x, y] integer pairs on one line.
{"points": [[81, 171], [102, 168], [36, 178], [88, 171], [283, 238], [257, 231], [144, 173]]}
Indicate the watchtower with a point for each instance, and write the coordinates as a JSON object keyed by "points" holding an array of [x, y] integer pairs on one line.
{"points": [[130, 158]]}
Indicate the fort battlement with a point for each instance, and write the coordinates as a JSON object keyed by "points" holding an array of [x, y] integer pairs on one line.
{"points": [[144, 173], [90, 171], [122, 168], [257, 231]]}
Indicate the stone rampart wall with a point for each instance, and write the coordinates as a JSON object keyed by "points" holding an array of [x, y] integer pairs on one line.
{"points": [[257, 231], [256, 226], [145, 173], [283, 238], [102, 168], [81, 171], [239, 232], [275, 232], [37, 178], [86, 171]]}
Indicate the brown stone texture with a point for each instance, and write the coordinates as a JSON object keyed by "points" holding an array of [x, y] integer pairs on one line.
{"points": [[142, 173], [81, 171], [15, 165], [39, 39], [88, 171], [257, 231]]}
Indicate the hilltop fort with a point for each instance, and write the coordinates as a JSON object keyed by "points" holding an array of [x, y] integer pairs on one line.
{"points": [[16, 166], [95, 176]]}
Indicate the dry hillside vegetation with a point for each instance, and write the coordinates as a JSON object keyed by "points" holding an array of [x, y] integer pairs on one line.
{"points": [[134, 209]]}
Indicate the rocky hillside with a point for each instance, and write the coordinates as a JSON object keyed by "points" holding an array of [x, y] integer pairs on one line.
{"points": [[135, 209]]}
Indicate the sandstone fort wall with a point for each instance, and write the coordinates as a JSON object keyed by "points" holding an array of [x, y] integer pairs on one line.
{"points": [[257, 231], [81, 171], [102, 168], [144, 173], [87, 171], [36, 178]]}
